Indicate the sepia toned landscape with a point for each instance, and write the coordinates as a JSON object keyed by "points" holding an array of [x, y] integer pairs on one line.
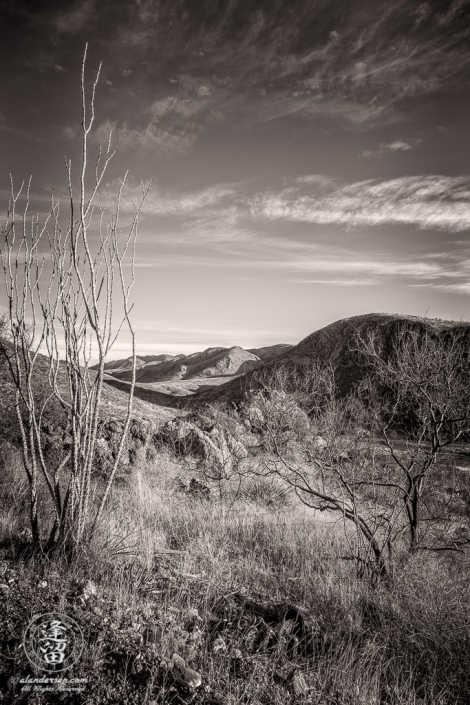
{"points": [[235, 353]]}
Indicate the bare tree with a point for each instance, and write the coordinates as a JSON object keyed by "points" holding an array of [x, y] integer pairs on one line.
{"points": [[377, 458], [419, 403], [327, 466], [62, 281]]}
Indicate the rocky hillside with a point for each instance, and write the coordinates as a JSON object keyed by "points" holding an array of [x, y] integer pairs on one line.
{"points": [[213, 362], [337, 345]]}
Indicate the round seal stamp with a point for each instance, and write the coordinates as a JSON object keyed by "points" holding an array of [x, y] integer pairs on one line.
{"points": [[53, 642]]}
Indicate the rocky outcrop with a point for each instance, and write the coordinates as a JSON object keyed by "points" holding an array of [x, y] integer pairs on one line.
{"points": [[275, 413], [139, 445], [214, 445]]}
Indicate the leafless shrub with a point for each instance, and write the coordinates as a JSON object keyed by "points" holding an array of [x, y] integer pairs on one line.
{"points": [[61, 282], [372, 459], [419, 404]]}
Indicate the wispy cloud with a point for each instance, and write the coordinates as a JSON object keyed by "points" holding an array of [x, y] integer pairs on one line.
{"points": [[390, 148], [454, 288], [337, 282], [72, 21], [355, 66], [151, 138], [171, 202], [431, 202], [20, 133], [345, 262], [174, 122], [248, 65]]}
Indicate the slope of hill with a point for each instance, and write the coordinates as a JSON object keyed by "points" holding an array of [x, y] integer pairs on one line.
{"points": [[215, 362], [113, 401], [270, 353]]}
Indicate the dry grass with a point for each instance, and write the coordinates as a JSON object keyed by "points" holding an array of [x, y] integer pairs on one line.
{"points": [[161, 554]]}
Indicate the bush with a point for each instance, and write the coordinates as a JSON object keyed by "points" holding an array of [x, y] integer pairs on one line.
{"points": [[270, 493]]}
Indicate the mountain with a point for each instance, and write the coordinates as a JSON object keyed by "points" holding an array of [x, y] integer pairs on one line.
{"points": [[213, 362], [271, 352], [335, 344]]}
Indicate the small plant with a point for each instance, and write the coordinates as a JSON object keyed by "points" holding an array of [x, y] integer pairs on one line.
{"points": [[267, 492]]}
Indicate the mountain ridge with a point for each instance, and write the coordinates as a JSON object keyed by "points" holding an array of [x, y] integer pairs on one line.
{"points": [[333, 344], [212, 362]]}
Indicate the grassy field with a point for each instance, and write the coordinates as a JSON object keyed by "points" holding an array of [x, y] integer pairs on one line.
{"points": [[171, 573]]}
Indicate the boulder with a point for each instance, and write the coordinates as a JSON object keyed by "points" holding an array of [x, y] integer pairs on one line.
{"points": [[277, 413], [138, 446], [216, 447], [184, 675], [193, 487]]}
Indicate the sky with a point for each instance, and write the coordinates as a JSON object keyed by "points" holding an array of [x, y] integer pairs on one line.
{"points": [[309, 160]]}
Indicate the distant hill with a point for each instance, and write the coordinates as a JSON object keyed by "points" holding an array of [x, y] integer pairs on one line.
{"points": [[334, 344], [213, 362], [271, 352]]}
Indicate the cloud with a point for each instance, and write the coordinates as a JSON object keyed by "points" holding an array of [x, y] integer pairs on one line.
{"points": [[273, 60], [335, 109], [392, 147], [306, 60], [148, 139], [70, 132], [170, 202], [172, 106], [345, 262], [455, 288], [72, 21], [427, 202], [20, 133], [337, 282], [175, 121]]}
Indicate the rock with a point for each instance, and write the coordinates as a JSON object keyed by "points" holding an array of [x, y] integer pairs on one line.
{"points": [[184, 675], [191, 619], [140, 431], [215, 446], [193, 487], [219, 645], [305, 631], [299, 685], [138, 446], [199, 489], [277, 413], [89, 590]]}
